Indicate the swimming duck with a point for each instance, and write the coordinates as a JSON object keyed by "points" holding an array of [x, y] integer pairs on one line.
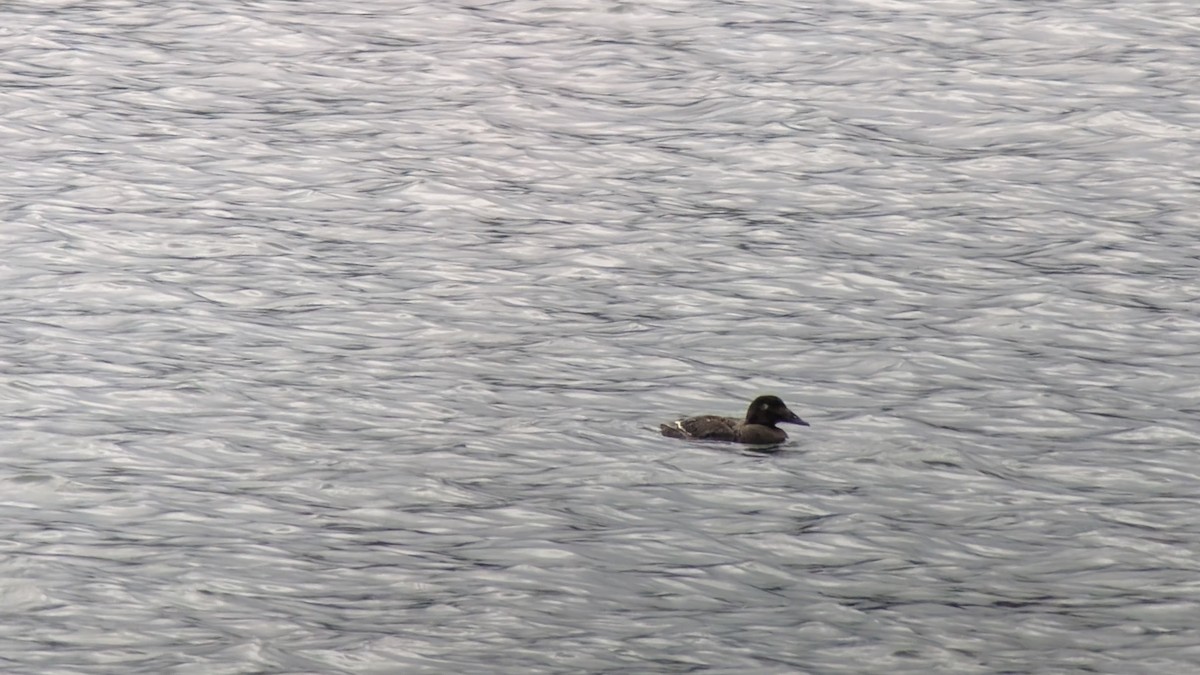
{"points": [[758, 428]]}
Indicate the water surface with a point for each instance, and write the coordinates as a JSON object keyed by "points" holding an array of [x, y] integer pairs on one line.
{"points": [[335, 339]]}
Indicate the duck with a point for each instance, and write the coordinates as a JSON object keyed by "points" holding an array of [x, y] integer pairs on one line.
{"points": [[758, 428]]}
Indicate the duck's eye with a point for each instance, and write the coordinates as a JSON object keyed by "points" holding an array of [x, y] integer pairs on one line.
{"points": [[765, 406]]}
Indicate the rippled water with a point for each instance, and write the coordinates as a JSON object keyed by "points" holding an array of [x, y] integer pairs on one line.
{"points": [[335, 337]]}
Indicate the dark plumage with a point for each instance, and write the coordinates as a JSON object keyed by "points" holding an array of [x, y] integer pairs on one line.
{"points": [[758, 428]]}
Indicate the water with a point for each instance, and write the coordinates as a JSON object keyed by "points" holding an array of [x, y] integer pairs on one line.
{"points": [[335, 339]]}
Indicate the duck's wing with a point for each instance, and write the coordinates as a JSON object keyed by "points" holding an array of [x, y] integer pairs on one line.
{"points": [[673, 430], [703, 428]]}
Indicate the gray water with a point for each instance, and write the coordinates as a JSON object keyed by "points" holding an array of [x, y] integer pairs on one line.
{"points": [[335, 337]]}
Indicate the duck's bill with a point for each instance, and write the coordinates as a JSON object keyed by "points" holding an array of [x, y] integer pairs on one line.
{"points": [[795, 419]]}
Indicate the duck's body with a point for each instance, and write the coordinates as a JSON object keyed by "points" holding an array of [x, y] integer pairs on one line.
{"points": [[758, 428]]}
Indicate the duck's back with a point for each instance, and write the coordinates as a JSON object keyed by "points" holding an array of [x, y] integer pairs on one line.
{"points": [[703, 428]]}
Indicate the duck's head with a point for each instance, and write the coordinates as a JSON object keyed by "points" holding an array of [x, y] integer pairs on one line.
{"points": [[771, 410]]}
